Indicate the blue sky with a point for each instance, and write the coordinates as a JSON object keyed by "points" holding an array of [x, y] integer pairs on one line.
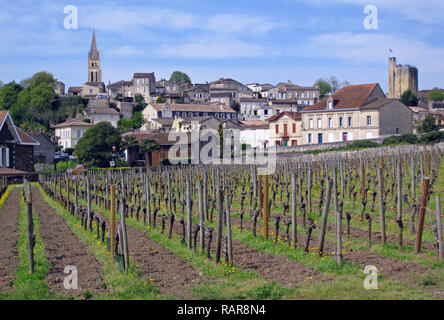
{"points": [[251, 41]]}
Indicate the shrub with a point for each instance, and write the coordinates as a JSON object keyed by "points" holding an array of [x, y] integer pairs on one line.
{"points": [[394, 140], [432, 137], [62, 166]]}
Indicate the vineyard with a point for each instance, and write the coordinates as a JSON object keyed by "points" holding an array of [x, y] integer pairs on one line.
{"points": [[317, 228]]}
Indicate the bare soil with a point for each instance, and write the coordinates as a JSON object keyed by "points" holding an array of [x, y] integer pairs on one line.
{"points": [[9, 235], [63, 249]]}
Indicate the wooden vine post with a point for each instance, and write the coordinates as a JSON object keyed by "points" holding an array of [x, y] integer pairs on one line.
{"points": [[124, 234], [324, 217], [425, 190], [59, 180], [338, 219], [399, 200], [381, 200], [112, 228], [229, 238], [31, 236], [294, 223], [201, 215], [220, 212], [266, 207], [189, 213], [67, 192], [439, 227]]}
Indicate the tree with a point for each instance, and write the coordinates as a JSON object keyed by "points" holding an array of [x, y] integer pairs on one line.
{"points": [[323, 86], [160, 100], [148, 147], [95, 147], [1, 84], [428, 125], [409, 99], [139, 104], [129, 142], [179, 77], [9, 94], [41, 77], [334, 84], [435, 95]]}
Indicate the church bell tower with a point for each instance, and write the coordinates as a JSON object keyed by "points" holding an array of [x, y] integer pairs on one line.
{"points": [[94, 71]]}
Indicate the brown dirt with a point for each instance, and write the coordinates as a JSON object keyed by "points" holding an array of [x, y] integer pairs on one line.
{"points": [[282, 270], [406, 272], [173, 275], [64, 248], [9, 236]]}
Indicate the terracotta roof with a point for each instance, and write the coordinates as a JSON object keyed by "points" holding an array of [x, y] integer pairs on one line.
{"points": [[26, 138], [253, 100], [293, 115], [194, 107], [353, 96], [3, 116], [75, 122], [255, 125]]}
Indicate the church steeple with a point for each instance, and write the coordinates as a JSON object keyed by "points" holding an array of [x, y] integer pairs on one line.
{"points": [[94, 71]]}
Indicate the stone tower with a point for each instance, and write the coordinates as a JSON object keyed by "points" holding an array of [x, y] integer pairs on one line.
{"points": [[401, 79], [94, 71]]}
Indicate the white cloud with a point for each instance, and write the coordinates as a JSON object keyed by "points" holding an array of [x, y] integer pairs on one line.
{"points": [[125, 51], [429, 11], [212, 48], [235, 23]]}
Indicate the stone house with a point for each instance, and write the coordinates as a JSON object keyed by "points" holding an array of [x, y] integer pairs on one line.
{"points": [[16, 147], [167, 110], [285, 129], [301, 95], [240, 90], [69, 133], [355, 112], [255, 133], [255, 109], [99, 110], [199, 94]]}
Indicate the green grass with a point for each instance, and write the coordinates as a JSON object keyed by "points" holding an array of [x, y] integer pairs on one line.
{"points": [[30, 286]]}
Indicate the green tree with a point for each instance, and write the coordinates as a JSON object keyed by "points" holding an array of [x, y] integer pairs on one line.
{"points": [[9, 94], [148, 147], [409, 99], [323, 86], [435, 95], [428, 125], [95, 147], [139, 104], [129, 142], [160, 100], [41, 77], [179, 77]]}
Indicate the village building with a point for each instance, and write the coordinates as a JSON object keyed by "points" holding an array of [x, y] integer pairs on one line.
{"points": [[255, 134], [285, 129], [167, 110], [69, 133], [16, 147], [355, 112], [98, 110], [255, 109], [301, 95]]}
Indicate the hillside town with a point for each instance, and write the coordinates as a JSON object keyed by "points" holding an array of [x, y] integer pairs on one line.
{"points": [[282, 116]]}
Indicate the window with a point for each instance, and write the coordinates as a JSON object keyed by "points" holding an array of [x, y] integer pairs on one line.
{"points": [[319, 123], [396, 130], [78, 134], [369, 120], [340, 122], [289, 95], [277, 128], [303, 95], [330, 122], [349, 121], [294, 143], [265, 112], [330, 103], [90, 91], [294, 127], [282, 95], [310, 124], [310, 138]]}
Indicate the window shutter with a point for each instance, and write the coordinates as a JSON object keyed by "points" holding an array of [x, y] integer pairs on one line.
{"points": [[7, 157]]}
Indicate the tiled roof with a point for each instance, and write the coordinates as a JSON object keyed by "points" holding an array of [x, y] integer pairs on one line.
{"points": [[253, 100], [378, 103], [293, 115], [160, 137], [101, 110], [194, 107], [26, 138], [3, 116], [353, 96], [8, 171], [75, 122]]}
